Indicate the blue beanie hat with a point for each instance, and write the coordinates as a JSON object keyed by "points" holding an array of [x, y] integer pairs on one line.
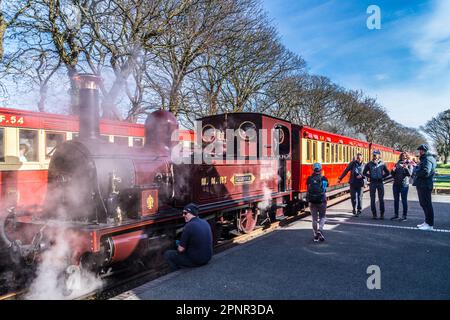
{"points": [[191, 208], [423, 147], [317, 167]]}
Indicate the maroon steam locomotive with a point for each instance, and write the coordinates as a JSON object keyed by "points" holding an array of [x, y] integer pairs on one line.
{"points": [[112, 203]]}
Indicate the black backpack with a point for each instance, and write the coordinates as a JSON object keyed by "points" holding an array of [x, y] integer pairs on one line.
{"points": [[315, 189]]}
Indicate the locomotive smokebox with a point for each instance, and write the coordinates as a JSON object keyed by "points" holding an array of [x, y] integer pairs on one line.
{"points": [[88, 85]]}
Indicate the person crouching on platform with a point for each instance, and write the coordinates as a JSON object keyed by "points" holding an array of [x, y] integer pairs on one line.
{"points": [[195, 247], [317, 187]]}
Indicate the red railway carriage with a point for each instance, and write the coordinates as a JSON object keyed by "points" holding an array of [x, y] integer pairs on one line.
{"points": [[23, 178], [333, 151]]}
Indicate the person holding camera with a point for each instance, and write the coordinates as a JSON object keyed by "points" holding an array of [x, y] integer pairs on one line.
{"points": [[401, 173]]}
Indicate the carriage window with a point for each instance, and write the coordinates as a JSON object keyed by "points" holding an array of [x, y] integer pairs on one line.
{"points": [[138, 142], [332, 153], [121, 141], [340, 153], [314, 151], [52, 140], [104, 138], [327, 152], [308, 150], [336, 153], [28, 145], [2, 145], [322, 147]]}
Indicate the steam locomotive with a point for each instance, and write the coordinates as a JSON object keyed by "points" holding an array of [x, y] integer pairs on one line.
{"points": [[112, 203]]}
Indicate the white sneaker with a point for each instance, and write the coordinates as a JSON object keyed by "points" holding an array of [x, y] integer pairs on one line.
{"points": [[426, 227], [421, 225]]}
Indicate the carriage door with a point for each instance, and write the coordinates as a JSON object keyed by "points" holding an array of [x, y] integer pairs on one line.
{"points": [[281, 141]]}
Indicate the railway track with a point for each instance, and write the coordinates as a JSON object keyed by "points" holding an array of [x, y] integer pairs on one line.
{"points": [[128, 282]]}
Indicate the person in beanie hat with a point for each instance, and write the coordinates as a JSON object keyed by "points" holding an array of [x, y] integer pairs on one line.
{"points": [[317, 186], [195, 247], [423, 180], [376, 171]]}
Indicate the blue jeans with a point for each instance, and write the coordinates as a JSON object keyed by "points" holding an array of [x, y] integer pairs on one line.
{"points": [[373, 189], [177, 260], [356, 195], [400, 190]]}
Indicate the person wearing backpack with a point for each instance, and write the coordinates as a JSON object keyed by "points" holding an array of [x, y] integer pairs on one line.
{"points": [[423, 181], [317, 186], [356, 167], [376, 171]]}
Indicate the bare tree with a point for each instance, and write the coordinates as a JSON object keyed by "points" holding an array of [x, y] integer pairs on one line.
{"points": [[438, 128]]}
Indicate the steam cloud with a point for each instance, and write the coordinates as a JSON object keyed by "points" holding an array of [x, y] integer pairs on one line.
{"points": [[49, 283]]}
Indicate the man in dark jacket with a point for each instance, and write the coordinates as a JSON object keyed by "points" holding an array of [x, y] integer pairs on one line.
{"points": [[195, 247], [423, 180], [356, 182], [376, 171], [401, 174]]}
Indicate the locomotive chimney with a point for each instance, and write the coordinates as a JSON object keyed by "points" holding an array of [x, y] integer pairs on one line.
{"points": [[88, 85]]}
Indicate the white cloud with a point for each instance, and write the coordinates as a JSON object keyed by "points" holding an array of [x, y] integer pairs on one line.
{"points": [[432, 45], [381, 76]]}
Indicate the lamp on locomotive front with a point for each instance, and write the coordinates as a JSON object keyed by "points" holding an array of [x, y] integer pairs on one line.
{"points": [[88, 105]]}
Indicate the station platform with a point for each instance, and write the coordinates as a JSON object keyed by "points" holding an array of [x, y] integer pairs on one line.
{"points": [[286, 264]]}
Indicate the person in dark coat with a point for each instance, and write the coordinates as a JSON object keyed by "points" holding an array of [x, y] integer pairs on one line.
{"points": [[355, 167], [401, 173], [376, 171], [423, 180], [196, 246]]}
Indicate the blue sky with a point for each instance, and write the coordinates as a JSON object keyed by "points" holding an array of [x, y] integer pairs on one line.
{"points": [[405, 64]]}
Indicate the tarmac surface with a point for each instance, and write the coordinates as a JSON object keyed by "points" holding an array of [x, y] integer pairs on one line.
{"points": [[286, 264]]}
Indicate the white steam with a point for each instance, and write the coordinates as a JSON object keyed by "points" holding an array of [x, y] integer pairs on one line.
{"points": [[50, 284]]}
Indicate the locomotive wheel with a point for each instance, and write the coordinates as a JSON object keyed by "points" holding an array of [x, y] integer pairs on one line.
{"points": [[246, 220]]}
